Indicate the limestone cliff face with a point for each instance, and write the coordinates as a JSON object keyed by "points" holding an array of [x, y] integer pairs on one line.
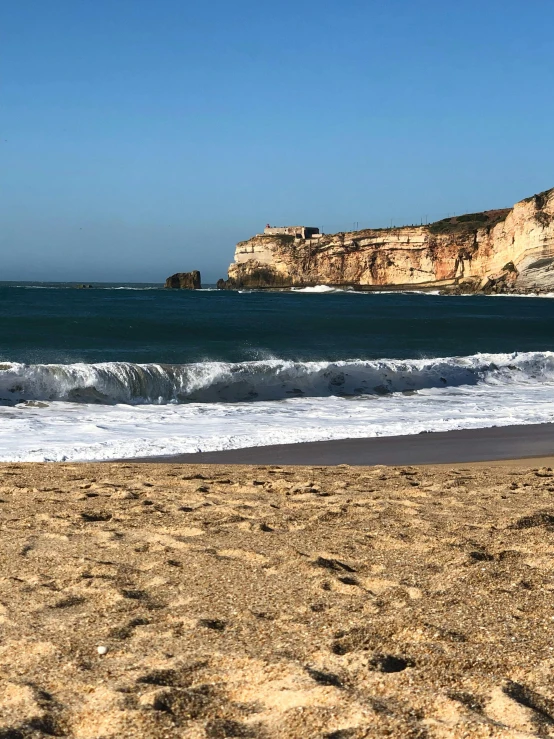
{"points": [[494, 250]]}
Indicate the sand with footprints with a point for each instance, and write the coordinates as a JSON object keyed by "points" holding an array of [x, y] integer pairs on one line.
{"points": [[231, 601]]}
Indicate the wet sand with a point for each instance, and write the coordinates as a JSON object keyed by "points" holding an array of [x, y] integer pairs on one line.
{"points": [[448, 447], [286, 602]]}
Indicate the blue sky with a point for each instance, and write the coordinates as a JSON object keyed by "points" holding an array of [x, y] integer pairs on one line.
{"points": [[140, 138]]}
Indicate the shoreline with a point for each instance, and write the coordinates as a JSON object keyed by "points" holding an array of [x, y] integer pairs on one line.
{"points": [[494, 444], [439, 288]]}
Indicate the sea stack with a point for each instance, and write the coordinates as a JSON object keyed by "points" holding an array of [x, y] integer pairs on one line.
{"points": [[185, 280]]}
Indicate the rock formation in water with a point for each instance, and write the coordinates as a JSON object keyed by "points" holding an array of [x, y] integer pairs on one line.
{"points": [[185, 280], [494, 251]]}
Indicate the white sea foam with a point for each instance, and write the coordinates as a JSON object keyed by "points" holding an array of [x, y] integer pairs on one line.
{"points": [[334, 400], [71, 431], [398, 292], [319, 289], [521, 295]]}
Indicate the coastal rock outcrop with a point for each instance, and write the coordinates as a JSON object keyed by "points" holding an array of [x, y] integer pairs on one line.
{"points": [[185, 280], [495, 251]]}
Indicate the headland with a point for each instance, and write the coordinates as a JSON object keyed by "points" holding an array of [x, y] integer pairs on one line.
{"points": [[495, 251]]}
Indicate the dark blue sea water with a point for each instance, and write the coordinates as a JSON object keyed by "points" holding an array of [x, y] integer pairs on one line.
{"points": [[61, 324], [134, 370]]}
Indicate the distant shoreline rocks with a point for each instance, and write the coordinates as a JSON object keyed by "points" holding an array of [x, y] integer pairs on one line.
{"points": [[184, 281]]}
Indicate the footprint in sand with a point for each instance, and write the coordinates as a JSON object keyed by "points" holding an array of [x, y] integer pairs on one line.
{"points": [[244, 555]]}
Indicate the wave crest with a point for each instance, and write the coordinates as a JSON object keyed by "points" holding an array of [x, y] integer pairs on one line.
{"points": [[271, 379]]}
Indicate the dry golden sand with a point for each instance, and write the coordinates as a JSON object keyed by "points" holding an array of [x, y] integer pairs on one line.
{"points": [[276, 602]]}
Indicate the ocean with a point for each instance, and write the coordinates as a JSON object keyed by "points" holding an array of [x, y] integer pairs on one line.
{"points": [[119, 371]]}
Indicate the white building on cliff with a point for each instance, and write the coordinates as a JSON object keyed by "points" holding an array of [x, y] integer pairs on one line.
{"points": [[299, 232]]}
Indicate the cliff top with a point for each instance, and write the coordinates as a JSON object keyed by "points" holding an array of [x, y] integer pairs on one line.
{"points": [[469, 221], [541, 198], [462, 224]]}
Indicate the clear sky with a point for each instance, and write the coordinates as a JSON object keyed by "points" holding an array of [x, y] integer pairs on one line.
{"points": [[145, 137]]}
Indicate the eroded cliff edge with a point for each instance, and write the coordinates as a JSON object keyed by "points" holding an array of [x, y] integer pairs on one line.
{"points": [[494, 251]]}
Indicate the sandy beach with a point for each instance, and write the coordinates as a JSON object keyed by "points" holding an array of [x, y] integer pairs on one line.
{"points": [[171, 600]]}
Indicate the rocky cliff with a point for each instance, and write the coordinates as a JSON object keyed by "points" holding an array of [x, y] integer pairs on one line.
{"points": [[493, 251]]}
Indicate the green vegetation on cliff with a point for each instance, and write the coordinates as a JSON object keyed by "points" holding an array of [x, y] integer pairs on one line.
{"points": [[469, 222], [541, 198]]}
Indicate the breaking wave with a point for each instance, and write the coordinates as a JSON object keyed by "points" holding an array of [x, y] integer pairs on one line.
{"points": [[319, 289], [271, 379]]}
